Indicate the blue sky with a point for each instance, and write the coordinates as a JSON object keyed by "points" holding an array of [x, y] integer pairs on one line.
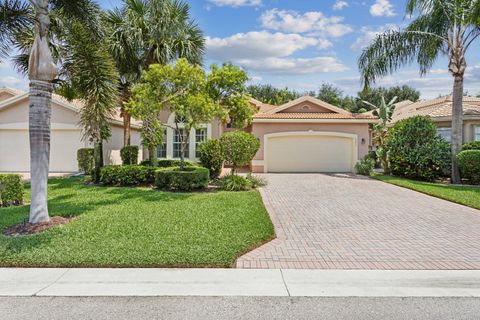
{"points": [[302, 43]]}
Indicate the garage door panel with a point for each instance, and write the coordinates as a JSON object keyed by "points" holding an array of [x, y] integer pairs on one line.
{"points": [[310, 153], [15, 150]]}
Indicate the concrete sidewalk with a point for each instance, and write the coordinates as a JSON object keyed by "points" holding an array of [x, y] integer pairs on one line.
{"points": [[238, 282]]}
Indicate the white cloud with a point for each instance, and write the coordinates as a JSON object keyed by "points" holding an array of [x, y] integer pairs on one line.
{"points": [[9, 81], [236, 3], [382, 8], [340, 5], [257, 44], [368, 34], [314, 22], [293, 66]]}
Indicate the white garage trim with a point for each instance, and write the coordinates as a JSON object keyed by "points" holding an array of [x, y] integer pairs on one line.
{"points": [[354, 137]]}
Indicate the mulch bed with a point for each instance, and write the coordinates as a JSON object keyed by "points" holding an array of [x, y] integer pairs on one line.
{"points": [[28, 228]]}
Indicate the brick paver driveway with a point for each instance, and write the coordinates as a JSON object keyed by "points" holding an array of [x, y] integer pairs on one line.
{"points": [[349, 222]]}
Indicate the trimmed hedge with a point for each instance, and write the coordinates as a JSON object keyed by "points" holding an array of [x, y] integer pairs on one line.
{"points": [[86, 160], [473, 145], [129, 175], [11, 190], [211, 157], [239, 148], [165, 163], [191, 178], [129, 155], [469, 164]]}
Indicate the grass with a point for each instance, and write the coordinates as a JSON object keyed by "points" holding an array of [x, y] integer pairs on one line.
{"points": [[138, 227], [466, 195]]}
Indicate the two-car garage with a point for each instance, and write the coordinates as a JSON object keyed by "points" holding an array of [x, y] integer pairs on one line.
{"points": [[310, 152]]}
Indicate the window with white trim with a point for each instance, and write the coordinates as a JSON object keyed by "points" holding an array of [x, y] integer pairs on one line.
{"points": [[177, 145], [162, 149], [445, 133], [200, 136], [476, 133]]}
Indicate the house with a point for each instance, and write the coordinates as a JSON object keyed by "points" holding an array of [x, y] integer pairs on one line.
{"points": [[304, 135], [440, 111], [66, 135]]}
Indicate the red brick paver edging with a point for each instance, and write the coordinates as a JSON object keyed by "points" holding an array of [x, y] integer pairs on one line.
{"points": [[340, 221]]}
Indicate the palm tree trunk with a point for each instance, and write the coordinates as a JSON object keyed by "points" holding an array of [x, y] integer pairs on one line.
{"points": [[127, 119], [41, 72], [39, 131], [457, 126], [151, 154], [98, 155]]}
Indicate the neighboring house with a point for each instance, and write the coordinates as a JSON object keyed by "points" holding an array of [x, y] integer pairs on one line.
{"points": [[66, 135], [304, 135], [440, 111]]}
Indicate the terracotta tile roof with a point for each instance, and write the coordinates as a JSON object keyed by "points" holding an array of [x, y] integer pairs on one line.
{"points": [[78, 105], [436, 108], [313, 115]]}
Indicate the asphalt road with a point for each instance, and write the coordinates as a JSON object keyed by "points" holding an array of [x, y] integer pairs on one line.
{"points": [[231, 308]]}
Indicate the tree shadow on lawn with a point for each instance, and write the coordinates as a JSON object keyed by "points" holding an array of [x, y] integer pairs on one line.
{"points": [[80, 199]]}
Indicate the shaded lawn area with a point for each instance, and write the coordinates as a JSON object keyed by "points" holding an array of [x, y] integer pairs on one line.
{"points": [[466, 195], [138, 227]]}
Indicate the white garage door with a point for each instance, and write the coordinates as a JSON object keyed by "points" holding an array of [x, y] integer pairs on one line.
{"points": [[310, 152], [15, 150]]}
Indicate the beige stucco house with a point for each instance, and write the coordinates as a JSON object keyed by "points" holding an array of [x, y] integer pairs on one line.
{"points": [[304, 135], [66, 136], [440, 111]]}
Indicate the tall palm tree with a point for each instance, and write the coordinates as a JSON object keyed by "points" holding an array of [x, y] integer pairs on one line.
{"points": [[16, 24], [143, 32], [439, 27]]}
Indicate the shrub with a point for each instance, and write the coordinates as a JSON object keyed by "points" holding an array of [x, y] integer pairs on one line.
{"points": [[211, 157], [473, 145], [239, 148], [469, 164], [365, 166], [256, 181], [128, 175], [234, 183], [190, 178], [86, 160], [415, 151], [11, 190], [166, 163], [129, 155]]}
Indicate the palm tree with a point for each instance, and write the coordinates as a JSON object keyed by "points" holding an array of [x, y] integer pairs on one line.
{"points": [[143, 32], [439, 27], [36, 46]]}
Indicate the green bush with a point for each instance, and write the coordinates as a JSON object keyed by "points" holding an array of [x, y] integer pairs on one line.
{"points": [[128, 175], [86, 160], [167, 163], [129, 155], [211, 157], [190, 178], [239, 148], [256, 181], [469, 164], [415, 151], [473, 145], [234, 183], [11, 190], [365, 166]]}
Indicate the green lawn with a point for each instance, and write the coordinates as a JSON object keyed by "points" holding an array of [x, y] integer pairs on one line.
{"points": [[466, 195], [122, 227]]}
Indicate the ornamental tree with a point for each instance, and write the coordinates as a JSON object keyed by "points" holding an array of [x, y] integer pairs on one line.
{"points": [[180, 88]]}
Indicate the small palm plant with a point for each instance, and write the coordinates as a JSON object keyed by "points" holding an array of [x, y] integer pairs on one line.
{"points": [[384, 113]]}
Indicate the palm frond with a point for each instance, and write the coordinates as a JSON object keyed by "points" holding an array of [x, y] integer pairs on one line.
{"points": [[15, 15]]}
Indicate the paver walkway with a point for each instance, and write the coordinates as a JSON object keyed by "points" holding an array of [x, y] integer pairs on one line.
{"points": [[341, 221]]}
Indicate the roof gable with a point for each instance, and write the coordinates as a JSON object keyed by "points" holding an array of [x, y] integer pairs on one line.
{"points": [[307, 104]]}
